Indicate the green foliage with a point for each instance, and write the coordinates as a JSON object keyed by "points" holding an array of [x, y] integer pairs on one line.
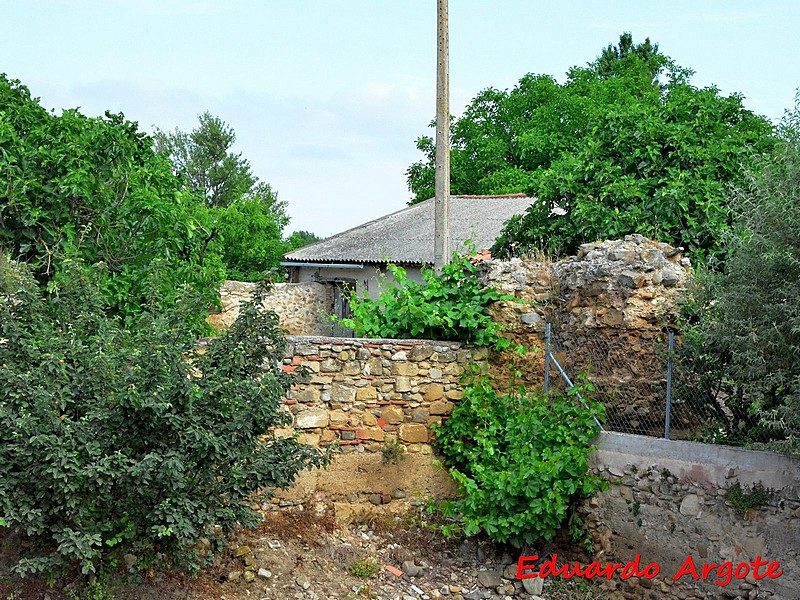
{"points": [[748, 497], [251, 241], [744, 333], [247, 216], [625, 145], [521, 460], [299, 239], [451, 306], [364, 568], [93, 189], [118, 439], [393, 452]]}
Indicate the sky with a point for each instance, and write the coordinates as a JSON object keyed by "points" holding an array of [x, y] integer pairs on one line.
{"points": [[327, 97]]}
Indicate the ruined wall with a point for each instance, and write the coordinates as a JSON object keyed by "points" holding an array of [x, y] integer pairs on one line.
{"points": [[302, 307], [610, 306], [666, 501]]}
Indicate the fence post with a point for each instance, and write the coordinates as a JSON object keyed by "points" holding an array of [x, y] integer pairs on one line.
{"points": [[547, 358], [669, 385]]}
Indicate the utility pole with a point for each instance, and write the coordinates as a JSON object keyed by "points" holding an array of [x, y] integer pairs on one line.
{"points": [[441, 246]]}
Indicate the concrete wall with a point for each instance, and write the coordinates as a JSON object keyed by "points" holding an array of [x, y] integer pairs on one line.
{"points": [[667, 501]]}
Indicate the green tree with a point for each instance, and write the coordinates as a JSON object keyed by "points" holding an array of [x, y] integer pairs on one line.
{"points": [[203, 157], [251, 241], [748, 339], [247, 216], [118, 438], [300, 239], [93, 189], [625, 145]]}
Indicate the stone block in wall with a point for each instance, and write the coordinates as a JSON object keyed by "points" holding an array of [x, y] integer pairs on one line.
{"points": [[337, 417], [414, 433], [434, 392], [368, 419], [312, 418], [392, 414], [370, 433], [308, 395], [330, 365], [402, 384], [309, 439], [374, 367], [420, 353], [367, 393], [441, 407], [343, 394], [406, 369]]}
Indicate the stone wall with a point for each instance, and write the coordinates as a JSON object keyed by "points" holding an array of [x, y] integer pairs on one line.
{"points": [[610, 306], [666, 501], [364, 393], [376, 400], [302, 307]]}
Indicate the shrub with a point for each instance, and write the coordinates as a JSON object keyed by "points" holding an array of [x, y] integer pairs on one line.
{"points": [[116, 440], [521, 459], [450, 306]]}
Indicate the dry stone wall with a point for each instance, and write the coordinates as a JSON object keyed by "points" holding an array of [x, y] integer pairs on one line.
{"points": [[376, 400], [303, 308]]}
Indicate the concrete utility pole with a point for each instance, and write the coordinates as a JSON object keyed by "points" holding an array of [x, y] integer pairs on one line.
{"points": [[441, 246]]}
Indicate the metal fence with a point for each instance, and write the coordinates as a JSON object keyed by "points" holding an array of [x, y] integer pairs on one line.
{"points": [[647, 388]]}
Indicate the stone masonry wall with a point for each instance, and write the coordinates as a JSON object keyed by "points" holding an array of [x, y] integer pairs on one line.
{"points": [[609, 306], [376, 400], [365, 392], [666, 501], [302, 307]]}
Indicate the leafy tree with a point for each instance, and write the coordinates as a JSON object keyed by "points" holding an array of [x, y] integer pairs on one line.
{"points": [[251, 241], [300, 239], [93, 189], [625, 145], [246, 213], [118, 439], [203, 157], [747, 341]]}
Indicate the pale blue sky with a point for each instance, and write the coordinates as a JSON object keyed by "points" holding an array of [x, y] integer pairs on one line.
{"points": [[328, 96]]}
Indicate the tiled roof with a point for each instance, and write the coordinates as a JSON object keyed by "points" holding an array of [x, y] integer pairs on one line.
{"points": [[407, 236]]}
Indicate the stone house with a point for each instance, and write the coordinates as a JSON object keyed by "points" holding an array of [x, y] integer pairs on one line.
{"points": [[357, 258]]}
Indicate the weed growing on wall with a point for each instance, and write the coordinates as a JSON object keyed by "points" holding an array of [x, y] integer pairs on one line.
{"points": [[521, 460], [451, 306]]}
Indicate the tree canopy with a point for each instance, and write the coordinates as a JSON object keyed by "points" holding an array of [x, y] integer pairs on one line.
{"points": [[625, 145], [246, 214], [93, 190]]}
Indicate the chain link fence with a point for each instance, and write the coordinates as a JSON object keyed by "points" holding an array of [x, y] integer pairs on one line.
{"points": [[648, 390]]}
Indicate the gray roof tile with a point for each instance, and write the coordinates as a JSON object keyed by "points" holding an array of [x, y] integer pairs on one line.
{"points": [[406, 236]]}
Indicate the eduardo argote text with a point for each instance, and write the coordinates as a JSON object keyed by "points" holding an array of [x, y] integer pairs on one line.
{"points": [[720, 573]]}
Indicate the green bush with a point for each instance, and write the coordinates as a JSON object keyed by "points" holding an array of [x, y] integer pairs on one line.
{"points": [[521, 460], [119, 439], [451, 306]]}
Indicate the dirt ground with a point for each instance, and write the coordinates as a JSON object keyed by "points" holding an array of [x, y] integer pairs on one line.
{"points": [[304, 555]]}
